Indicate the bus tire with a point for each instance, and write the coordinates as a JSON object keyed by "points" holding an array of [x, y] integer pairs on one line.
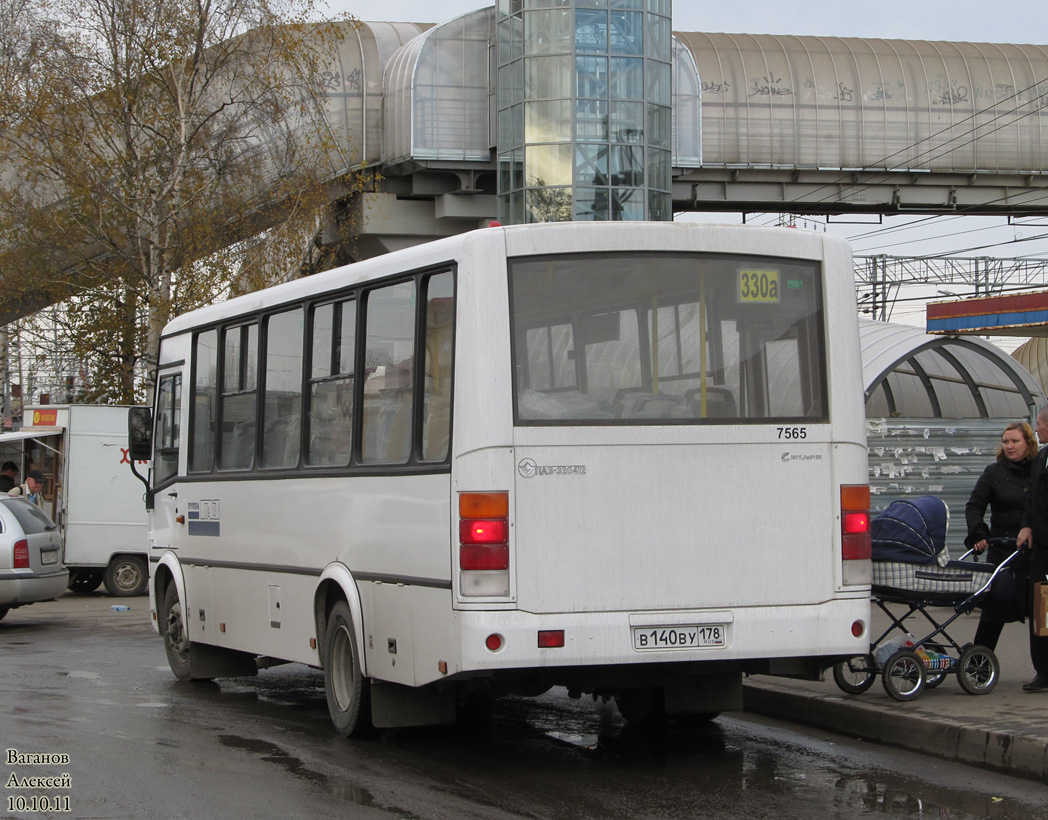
{"points": [[126, 576], [173, 630], [644, 707], [348, 691]]}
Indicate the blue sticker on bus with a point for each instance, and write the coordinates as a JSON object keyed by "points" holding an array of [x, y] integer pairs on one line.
{"points": [[204, 517]]}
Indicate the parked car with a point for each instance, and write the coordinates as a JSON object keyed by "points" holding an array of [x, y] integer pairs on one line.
{"points": [[31, 567]]}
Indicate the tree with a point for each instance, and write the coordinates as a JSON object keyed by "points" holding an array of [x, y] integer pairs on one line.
{"points": [[146, 143]]}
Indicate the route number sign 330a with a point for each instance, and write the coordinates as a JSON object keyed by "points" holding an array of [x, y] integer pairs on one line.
{"points": [[758, 286]]}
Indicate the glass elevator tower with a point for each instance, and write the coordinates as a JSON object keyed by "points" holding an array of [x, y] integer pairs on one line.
{"points": [[584, 110]]}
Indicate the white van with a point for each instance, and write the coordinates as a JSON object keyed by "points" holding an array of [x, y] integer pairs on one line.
{"points": [[89, 490]]}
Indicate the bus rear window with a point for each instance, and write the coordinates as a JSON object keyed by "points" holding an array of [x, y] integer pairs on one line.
{"points": [[667, 339]]}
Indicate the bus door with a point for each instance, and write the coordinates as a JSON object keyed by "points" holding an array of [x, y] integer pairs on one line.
{"points": [[165, 532]]}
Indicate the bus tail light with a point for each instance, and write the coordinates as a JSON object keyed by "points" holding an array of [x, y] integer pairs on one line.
{"points": [[855, 533], [483, 556], [484, 544], [22, 554]]}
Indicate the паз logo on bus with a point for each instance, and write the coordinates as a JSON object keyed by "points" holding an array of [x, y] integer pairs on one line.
{"points": [[204, 516], [788, 457], [529, 469]]}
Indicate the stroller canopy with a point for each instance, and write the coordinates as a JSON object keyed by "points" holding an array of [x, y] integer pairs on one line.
{"points": [[912, 532]]}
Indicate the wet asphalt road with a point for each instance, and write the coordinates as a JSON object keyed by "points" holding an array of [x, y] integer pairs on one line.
{"points": [[81, 680]]}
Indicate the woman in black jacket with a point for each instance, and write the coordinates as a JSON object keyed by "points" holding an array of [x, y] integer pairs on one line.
{"points": [[1004, 487]]}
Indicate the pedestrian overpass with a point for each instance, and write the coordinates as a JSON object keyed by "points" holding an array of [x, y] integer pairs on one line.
{"points": [[808, 125]]}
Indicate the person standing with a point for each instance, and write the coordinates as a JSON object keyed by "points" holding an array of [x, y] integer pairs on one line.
{"points": [[32, 489], [8, 476], [1004, 487], [1034, 533]]}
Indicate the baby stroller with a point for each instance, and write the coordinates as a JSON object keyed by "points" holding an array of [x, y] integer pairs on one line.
{"points": [[912, 570]]}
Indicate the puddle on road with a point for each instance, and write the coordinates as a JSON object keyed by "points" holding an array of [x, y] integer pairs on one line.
{"points": [[582, 741], [271, 753], [733, 768]]}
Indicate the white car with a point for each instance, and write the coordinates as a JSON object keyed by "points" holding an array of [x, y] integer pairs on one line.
{"points": [[31, 566]]}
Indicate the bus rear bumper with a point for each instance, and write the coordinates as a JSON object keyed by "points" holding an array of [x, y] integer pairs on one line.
{"points": [[775, 640]]}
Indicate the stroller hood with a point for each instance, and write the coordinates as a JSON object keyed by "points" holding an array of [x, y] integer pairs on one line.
{"points": [[912, 531]]}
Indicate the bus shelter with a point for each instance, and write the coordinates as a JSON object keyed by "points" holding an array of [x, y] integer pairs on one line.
{"points": [[935, 409]]}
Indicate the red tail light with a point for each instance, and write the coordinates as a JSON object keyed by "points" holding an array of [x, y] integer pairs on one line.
{"points": [[22, 554], [484, 531], [855, 522], [484, 536], [484, 556]]}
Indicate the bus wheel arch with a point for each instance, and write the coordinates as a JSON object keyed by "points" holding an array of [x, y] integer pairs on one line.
{"points": [[167, 573], [336, 584]]}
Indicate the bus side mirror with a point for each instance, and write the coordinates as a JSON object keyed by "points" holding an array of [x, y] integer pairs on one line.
{"points": [[140, 444], [140, 433]]}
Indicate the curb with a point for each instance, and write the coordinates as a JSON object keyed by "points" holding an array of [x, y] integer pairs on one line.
{"points": [[1012, 753]]}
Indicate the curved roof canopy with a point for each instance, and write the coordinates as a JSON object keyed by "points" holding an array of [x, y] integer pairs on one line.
{"points": [[911, 374]]}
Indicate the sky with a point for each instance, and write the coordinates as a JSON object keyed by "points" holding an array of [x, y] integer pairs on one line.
{"points": [[1006, 21]]}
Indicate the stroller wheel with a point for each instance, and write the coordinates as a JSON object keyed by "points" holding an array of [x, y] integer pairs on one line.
{"points": [[978, 670], [933, 679], [855, 675], [903, 675]]}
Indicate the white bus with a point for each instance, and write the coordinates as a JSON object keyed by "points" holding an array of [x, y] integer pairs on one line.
{"points": [[627, 459]]}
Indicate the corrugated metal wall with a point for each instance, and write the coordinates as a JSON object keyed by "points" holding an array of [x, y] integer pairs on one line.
{"points": [[944, 457]]}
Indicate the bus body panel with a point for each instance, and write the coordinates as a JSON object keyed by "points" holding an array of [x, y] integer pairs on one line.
{"points": [[697, 529], [246, 542]]}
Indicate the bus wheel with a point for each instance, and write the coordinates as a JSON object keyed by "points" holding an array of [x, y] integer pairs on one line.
{"points": [[173, 629], [83, 581], [127, 575], [348, 692]]}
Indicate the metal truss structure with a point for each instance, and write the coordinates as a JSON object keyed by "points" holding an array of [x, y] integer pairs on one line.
{"points": [[881, 280]]}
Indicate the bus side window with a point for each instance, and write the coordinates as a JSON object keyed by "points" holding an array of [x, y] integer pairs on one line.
{"points": [[440, 337], [237, 410], [203, 403], [282, 408], [169, 409], [330, 413], [389, 360]]}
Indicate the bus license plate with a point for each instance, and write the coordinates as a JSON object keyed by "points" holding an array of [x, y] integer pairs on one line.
{"points": [[678, 637]]}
